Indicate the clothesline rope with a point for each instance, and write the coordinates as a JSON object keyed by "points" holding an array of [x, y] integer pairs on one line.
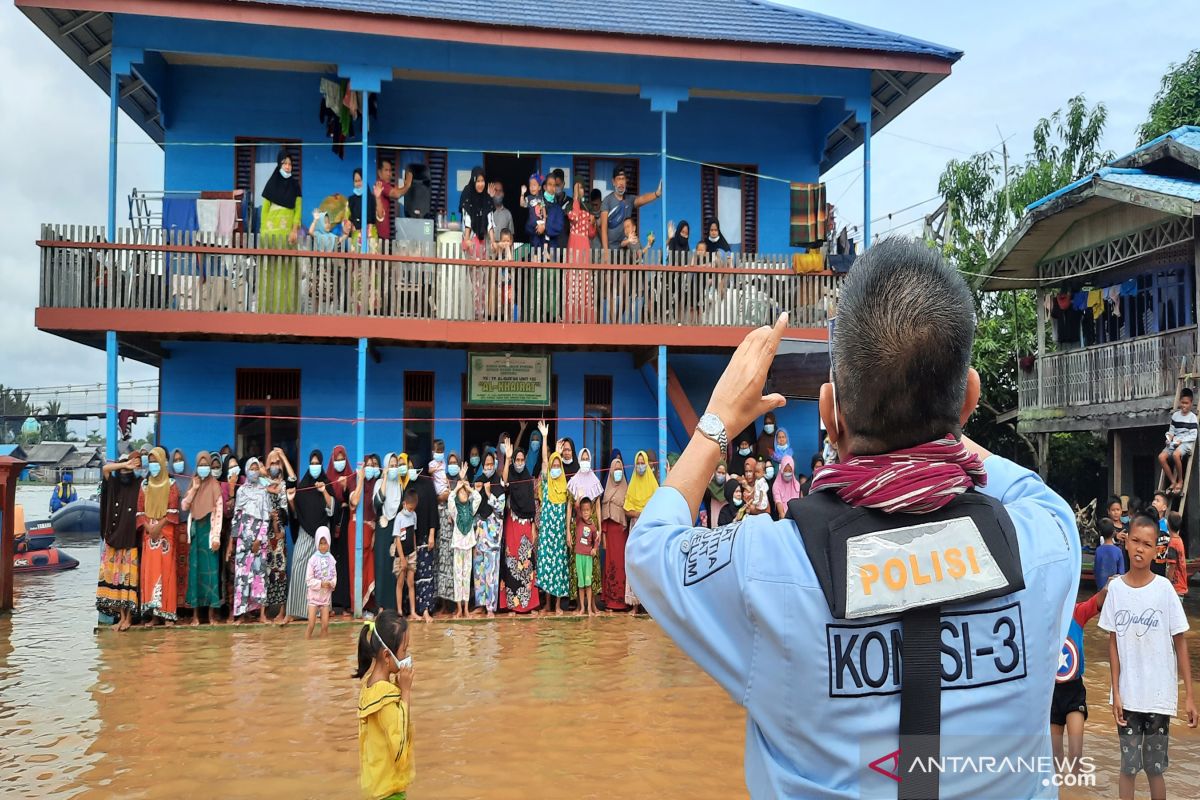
{"points": [[356, 420]]}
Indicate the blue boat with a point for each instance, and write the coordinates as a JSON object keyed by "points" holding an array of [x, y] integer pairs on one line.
{"points": [[82, 516]]}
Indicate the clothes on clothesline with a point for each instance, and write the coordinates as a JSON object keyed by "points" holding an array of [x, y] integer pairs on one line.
{"points": [[808, 209], [218, 217], [179, 214]]}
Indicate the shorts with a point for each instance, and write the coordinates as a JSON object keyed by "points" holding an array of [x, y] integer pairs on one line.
{"points": [[583, 570], [1184, 448], [1144, 743], [1069, 697]]}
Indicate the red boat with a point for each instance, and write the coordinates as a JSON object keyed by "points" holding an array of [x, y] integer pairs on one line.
{"points": [[49, 560]]}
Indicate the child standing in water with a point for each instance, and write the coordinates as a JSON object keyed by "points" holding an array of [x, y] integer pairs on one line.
{"points": [[587, 541], [465, 503], [385, 729], [321, 580]]}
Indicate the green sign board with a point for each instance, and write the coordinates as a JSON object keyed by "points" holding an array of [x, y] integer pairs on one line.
{"points": [[499, 379]]}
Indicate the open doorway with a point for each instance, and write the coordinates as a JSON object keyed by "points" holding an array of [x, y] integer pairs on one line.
{"points": [[512, 172], [484, 424]]}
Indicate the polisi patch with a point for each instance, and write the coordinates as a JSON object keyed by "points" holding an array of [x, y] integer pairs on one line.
{"points": [[891, 571], [706, 552]]}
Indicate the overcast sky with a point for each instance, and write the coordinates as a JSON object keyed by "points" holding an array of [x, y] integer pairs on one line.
{"points": [[1022, 61]]}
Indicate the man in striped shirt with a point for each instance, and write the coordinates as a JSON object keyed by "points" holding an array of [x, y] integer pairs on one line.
{"points": [[1181, 438]]}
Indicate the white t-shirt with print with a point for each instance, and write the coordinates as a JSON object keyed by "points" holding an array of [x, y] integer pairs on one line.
{"points": [[1145, 620]]}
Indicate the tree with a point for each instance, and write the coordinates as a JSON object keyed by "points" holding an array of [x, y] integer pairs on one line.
{"points": [[15, 408], [1177, 102], [54, 426], [984, 203]]}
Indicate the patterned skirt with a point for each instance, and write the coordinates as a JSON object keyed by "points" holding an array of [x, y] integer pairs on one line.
{"points": [[297, 595], [445, 555], [553, 576], [117, 587], [277, 576], [424, 580], [204, 568]]}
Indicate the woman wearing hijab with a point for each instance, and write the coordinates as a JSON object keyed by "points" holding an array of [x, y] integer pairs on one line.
{"points": [[117, 585], [765, 446], [679, 242], [553, 573], [475, 205], [489, 526], [204, 504], [230, 476], [642, 487], [566, 447], [341, 477], [282, 208], [428, 520], [787, 486], [182, 545], [474, 463], [368, 479], [313, 507], [157, 517], [388, 498], [584, 484], [732, 510], [613, 524], [714, 496], [782, 447], [249, 543], [716, 240], [282, 481], [520, 594], [533, 457]]}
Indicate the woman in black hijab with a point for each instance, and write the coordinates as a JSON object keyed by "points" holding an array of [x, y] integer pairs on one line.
{"points": [[518, 591], [313, 507], [476, 206], [716, 239], [679, 242], [567, 451], [280, 228], [427, 526]]}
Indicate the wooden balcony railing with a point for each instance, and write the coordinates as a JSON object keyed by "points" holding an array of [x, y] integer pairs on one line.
{"points": [[1144, 368], [151, 270]]}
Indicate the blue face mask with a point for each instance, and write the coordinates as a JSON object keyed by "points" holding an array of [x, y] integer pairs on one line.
{"points": [[252, 475], [155, 469], [263, 480], [285, 173], [393, 473], [489, 471], [549, 196], [535, 444], [770, 472], [358, 190], [141, 473], [768, 428], [555, 473], [474, 461], [641, 469], [339, 465], [369, 473], [737, 501], [743, 451], [439, 457], [403, 470], [178, 467], [203, 472], [452, 470], [618, 476], [314, 470]]}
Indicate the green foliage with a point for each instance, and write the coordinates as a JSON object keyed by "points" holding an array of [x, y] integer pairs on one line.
{"points": [[14, 408], [55, 428], [1177, 102]]}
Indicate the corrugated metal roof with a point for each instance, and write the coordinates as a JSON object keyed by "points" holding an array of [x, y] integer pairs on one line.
{"points": [[13, 450], [49, 452], [1186, 135], [1162, 184], [718, 20]]}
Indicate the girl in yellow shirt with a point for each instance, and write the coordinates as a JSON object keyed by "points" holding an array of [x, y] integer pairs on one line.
{"points": [[385, 729]]}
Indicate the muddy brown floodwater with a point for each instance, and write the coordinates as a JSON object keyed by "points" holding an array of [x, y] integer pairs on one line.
{"points": [[513, 708]]}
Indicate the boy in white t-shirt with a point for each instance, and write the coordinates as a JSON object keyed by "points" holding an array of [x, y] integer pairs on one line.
{"points": [[762, 489], [1181, 440], [1146, 648]]}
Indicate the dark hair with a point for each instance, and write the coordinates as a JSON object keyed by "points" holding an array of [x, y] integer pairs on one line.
{"points": [[506, 230], [1105, 527], [585, 499], [373, 456], [1185, 393], [1164, 496], [618, 170], [357, 173], [558, 173], [595, 194], [411, 496], [812, 465], [1174, 521], [1144, 521], [1111, 500], [902, 306], [441, 442], [391, 627]]}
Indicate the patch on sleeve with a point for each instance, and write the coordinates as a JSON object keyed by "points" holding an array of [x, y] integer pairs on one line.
{"points": [[707, 551]]}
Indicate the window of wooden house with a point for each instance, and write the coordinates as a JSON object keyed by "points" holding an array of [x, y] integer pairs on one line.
{"points": [[254, 160], [729, 194], [597, 419], [596, 173], [268, 412], [435, 164], [418, 415]]}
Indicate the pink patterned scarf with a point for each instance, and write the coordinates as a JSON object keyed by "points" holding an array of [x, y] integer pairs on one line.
{"points": [[918, 480]]}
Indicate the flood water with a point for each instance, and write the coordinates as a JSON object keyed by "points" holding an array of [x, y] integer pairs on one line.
{"points": [[606, 707]]}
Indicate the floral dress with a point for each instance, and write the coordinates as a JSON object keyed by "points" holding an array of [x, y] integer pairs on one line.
{"points": [[249, 561], [277, 574], [487, 555], [552, 572]]}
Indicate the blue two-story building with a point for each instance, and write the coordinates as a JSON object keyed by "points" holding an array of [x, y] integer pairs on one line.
{"points": [[735, 108]]}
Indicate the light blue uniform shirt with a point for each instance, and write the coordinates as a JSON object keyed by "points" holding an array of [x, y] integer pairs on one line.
{"points": [[822, 696]]}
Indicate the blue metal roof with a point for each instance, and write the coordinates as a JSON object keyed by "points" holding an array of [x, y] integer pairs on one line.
{"points": [[1186, 135], [754, 21], [1160, 184]]}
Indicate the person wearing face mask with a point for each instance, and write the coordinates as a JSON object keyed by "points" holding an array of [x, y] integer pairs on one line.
{"points": [[282, 482], [786, 487], [388, 500], [117, 584], [314, 507], [182, 550], [714, 498], [642, 486], [342, 479], [618, 207], [734, 510], [615, 530], [248, 544], [157, 517], [520, 592], [502, 218], [203, 503], [444, 580], [764, 446], [553, 574], [490, 568], [368, 478], [716, 240], [356, 208], [282, 212], [583, 483], [742, 447], [566, 446]]}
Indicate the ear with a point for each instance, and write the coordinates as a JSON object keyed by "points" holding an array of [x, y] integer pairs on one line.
{"points": [[971, 400], [831, 418]]}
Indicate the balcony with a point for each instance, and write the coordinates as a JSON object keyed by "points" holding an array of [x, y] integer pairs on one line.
{"points": [[1081, 389], [179, 285]]}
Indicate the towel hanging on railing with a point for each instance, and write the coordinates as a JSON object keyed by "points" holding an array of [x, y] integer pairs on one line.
{"points": [[807, 227]]}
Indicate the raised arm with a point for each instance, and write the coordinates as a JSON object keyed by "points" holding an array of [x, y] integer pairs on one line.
{"points": [[648, 197], [544, 430]]}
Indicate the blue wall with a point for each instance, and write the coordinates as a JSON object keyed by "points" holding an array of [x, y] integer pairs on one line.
{"points": [[199, 384]]}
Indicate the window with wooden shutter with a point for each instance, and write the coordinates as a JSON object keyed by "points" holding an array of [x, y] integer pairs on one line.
{"points": [[596, 172], [418, 415], [251, 155], [597, 418], [435, 162], [267, 403], [739, 182]]}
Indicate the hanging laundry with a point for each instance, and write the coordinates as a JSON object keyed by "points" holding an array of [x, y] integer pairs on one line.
{"points": [[333, 93], [1113, 295], [1048, 304], [179, 214], [1095, 301], [1150, 322], [1064, 301], [350, 101], [206, 215], [808, 215], [1129, 288], [1079, 301]]}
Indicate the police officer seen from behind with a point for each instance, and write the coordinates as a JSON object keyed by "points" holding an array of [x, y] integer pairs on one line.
{"points": [[910, 612]]}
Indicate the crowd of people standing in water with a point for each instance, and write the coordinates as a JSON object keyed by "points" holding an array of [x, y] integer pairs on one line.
{"points": [[518, 526]]}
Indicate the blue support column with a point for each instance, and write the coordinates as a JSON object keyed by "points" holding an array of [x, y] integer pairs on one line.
{"points": [[662, 412], [662, 205], [866, 125], [110, 402], [114, 97], [366, 127], [360, 450]]}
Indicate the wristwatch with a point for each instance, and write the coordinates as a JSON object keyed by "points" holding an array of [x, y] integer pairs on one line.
{"points": [[711, 427]]}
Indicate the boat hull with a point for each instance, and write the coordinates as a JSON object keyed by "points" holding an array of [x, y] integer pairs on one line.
{"points": [[82, 516], [49, 560]]}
